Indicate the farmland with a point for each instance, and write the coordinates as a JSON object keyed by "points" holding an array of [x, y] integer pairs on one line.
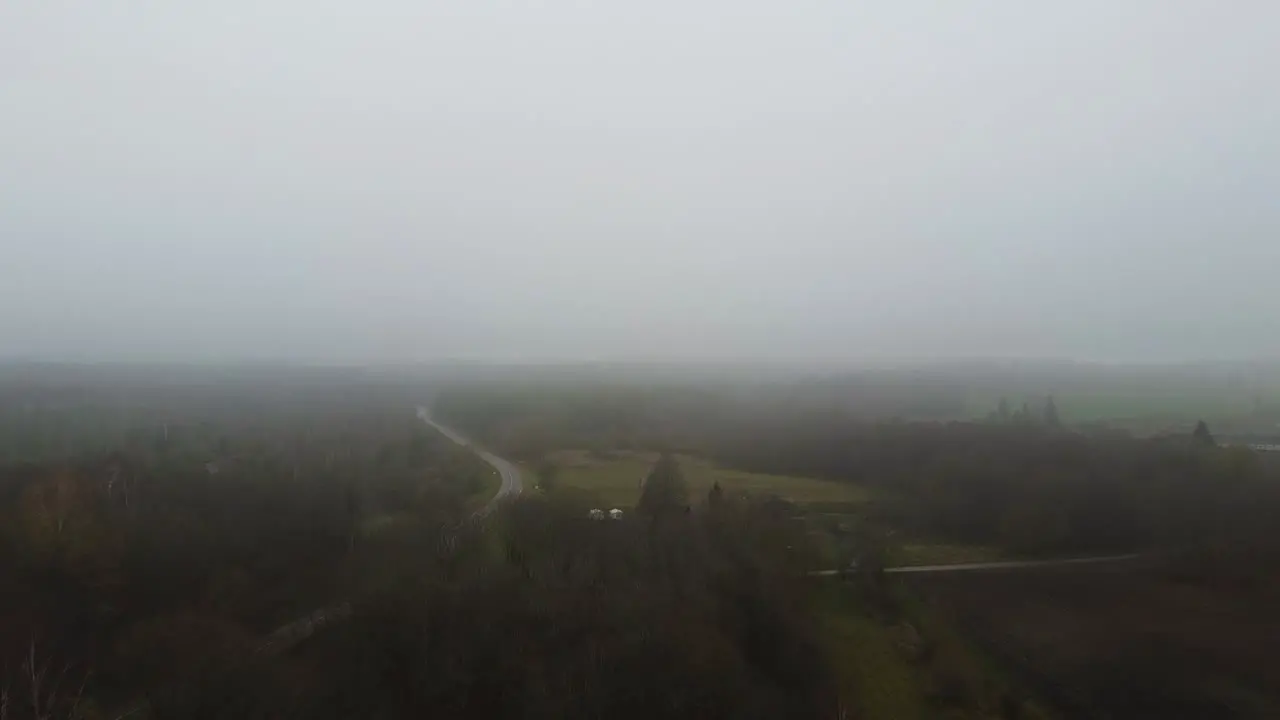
{"points": [[614, 479]]}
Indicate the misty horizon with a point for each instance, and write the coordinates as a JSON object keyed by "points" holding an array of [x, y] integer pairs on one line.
{"points": [[398, 183]]}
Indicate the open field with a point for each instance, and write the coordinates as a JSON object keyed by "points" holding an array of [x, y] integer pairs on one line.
{"points": [[615, 479], [881, 683], [907, 663], [1123, 642]]}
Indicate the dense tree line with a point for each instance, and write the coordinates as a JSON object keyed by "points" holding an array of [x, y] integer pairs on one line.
{"points": [[210, 520], [526, 419], [688, 610], [1030, 488]]}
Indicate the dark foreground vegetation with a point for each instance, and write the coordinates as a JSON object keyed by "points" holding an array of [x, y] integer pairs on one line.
{"points": [[158, 527], [1029, 489], [688, 608], [1127, 642], [151, 528]]}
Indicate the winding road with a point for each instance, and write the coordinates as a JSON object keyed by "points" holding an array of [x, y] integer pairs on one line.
{"points": [[511, 484]]}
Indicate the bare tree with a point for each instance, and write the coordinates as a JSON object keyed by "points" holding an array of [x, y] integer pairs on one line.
{"points": [[49, 695]]}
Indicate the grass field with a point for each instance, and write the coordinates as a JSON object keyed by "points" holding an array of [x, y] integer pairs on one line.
{"points": [[616, 480], [911, 666], [876, 680]]}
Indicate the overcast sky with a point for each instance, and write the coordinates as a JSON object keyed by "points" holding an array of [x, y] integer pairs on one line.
{"points": [[407, 180]]}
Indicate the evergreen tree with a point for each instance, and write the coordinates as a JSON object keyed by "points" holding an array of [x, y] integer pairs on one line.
{"points": [[353, 517], [665, 489], [1022, 416], [1202, 434], [1051, 418], [715, 498]]}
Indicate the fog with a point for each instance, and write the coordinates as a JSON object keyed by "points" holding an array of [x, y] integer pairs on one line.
{"points": [[399, 181]]}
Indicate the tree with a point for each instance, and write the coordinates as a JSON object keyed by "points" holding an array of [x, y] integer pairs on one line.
{"points": [[63, 526], [665, 489], [1022, 416], [1051, 418], [1202, 434], [353, 517], [715, 497]]}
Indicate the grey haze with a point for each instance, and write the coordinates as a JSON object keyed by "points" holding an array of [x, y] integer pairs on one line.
{"points": [[394, 181]]}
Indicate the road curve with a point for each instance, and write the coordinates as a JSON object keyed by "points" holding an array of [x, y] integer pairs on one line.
{"points": [[511, 483]]}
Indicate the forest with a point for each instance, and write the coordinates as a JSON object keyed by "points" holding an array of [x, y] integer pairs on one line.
{"points": [[249, 542], [153, 526], [290, 542], [1032, 489]]}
